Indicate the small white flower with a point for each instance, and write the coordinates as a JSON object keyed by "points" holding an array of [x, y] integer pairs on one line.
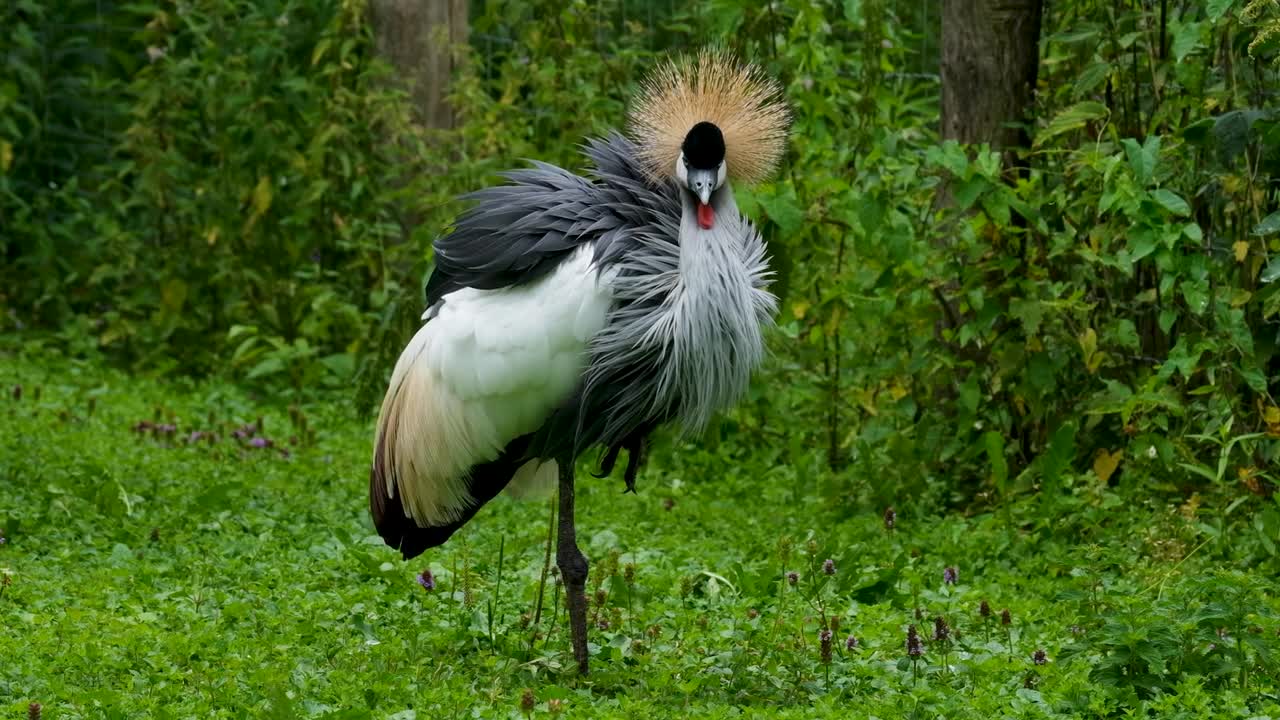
{"points": [[154, 53], [1151, 452]]}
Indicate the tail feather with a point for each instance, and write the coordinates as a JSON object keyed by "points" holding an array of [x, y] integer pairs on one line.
{"points": [[429, 476], [401, 532]]}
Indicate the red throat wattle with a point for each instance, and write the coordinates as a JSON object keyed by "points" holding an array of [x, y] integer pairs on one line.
{"points": [[706, 216]]}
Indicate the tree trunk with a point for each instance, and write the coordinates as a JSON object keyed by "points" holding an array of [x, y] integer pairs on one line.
{"points": [[990, 59], [416, 37]]}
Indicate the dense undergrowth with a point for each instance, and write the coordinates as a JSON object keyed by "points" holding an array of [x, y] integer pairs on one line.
{"points": [[182, 549], [234, 187]]}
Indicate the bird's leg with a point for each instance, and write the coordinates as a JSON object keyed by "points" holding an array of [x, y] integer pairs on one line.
{"points": [[573, 567]]}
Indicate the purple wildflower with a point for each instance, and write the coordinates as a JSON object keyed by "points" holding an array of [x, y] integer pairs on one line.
{"points": [[890, 518], [1039, 657], [824, 643], [915, 648], [793, 577], [941, 631], [167, 428], [259, 442], [33, 711], [984, 610], [1006, 619], [195, 436], [427, 580], [851, 643], [527, 701], [950, 576], [829, 566]]}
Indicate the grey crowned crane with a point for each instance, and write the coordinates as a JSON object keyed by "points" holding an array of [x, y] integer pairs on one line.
{"points": [[568, 312]]}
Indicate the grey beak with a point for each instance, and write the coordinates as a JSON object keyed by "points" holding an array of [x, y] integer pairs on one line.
{"points": [[702, 183]]}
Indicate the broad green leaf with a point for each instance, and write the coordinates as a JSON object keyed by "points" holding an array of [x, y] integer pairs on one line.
{"points": [[1196, 293], [1072, 118], [269, 366], [1269, 225], [1029, 312], [1127, 334], [968, 191], [993, 444], [1217, 8], [1142, 158], [1272, 270], [1171, 201], [1185, 39], [1092, 77], [1142, 244], [782, 209], [1057, 458], [1079, 33], [1254, 378]]}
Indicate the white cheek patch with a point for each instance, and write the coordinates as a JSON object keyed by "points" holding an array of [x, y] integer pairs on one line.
{"points": [[721, 173], [682, 171]]}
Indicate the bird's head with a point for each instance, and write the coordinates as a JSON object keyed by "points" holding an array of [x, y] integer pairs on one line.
{"points": [[707, 120], [701, 167]]}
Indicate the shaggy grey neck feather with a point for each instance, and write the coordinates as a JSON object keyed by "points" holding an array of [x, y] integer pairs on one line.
{"points": [[696, 304]]}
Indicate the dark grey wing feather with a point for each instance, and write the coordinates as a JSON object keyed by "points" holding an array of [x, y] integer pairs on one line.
{"points": [[515, 233], [611, 409], [518, 232]]}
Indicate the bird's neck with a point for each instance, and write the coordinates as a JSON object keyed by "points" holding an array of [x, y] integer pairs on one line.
{"points": [[725, 230]]}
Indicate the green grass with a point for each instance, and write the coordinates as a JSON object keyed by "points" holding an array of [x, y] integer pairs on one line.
{"points": [[155, 578]]}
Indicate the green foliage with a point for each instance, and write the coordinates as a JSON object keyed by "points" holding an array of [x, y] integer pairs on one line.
{"points": [[249, 210], [205, 576]]}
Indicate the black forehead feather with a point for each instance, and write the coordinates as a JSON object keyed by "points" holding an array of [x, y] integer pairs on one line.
{"points": [[704, 146]]}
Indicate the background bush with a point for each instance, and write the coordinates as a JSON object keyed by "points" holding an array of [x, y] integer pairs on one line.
{"points": [[235, 187]]}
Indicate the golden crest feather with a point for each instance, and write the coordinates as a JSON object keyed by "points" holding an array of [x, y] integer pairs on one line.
{"points": [[746, 105]]}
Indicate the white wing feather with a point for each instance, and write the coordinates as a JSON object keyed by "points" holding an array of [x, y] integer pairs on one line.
{"points": [[488, 368]]}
